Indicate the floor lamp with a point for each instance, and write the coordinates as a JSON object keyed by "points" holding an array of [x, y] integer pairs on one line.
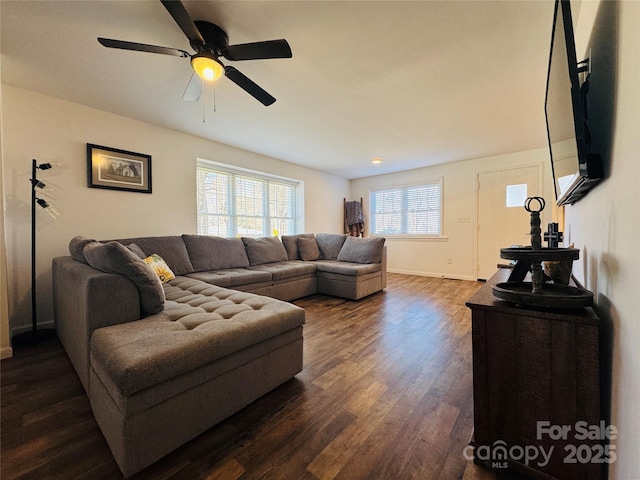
{"points": [[36, 185]]}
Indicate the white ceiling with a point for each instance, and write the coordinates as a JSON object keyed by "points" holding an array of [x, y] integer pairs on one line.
{"points": [[416, 83]]}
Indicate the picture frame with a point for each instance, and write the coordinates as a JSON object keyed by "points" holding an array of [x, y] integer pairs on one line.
{"points": [[116, 169]]}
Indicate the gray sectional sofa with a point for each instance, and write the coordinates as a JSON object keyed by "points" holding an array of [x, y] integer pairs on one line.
{"points": [[165, 355]]}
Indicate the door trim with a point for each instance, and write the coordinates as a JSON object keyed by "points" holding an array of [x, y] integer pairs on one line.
{"points": [[540, 169]]}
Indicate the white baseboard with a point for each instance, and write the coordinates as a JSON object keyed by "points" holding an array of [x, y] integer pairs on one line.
{"points": [[435, 275]]}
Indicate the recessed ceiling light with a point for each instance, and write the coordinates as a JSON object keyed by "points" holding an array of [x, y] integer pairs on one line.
{"points": [[376, 161]]}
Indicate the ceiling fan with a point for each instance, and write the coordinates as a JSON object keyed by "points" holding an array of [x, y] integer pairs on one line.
{"points": [[210, 43]]}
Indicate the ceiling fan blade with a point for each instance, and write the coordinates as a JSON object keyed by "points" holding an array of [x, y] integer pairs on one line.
{"points": [[249, 86], [141, 47], [194, 89], [182, 18], [258, 50]]}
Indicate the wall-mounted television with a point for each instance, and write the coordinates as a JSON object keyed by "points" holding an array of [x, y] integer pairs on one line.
{"points": [[575, 169]]}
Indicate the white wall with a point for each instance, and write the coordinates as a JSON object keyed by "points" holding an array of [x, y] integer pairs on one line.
{"points": [[605, 225], [5, 342], [429, 257], [45, 128]]}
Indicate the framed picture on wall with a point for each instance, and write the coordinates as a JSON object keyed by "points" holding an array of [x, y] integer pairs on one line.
{"points": [[117, 169]]}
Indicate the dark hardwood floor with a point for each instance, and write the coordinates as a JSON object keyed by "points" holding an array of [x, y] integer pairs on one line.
{"points": [[385, 394]]}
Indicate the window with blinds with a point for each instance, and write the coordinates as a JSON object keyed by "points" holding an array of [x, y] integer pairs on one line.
{"points": [[236, 202], [407, 210]]}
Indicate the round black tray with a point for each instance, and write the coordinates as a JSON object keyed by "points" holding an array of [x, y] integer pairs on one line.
{"points": [[552, 296], [528, 253]]}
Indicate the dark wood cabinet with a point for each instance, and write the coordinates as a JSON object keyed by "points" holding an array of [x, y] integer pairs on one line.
{"points": [[536, 388]]}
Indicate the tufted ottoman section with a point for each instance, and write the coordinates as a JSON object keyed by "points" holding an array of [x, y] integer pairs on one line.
{"points": [[201, 323], [160, 381]]}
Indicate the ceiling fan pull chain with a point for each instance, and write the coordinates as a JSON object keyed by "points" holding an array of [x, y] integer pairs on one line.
{"points": [[204, 94], [214, 99]]}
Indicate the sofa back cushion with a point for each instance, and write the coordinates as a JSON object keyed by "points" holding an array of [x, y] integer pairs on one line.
{"points": [[330, 244], [290, 243], [171, 248], [361, 250], [264, 250], [113, 257], [215, 253]]}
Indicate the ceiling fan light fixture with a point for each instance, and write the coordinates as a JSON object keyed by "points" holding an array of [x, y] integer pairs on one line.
{"points": [[207, 67]]}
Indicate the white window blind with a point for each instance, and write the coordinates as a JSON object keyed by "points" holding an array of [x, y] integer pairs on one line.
{"points": [[235, 202], [407, 210]]}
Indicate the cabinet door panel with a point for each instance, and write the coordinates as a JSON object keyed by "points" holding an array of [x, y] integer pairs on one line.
{"points": [[534, 375], [502, 388]]}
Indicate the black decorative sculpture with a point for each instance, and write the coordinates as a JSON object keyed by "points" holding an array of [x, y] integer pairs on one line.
{"points": [[537, 293], [553, 236]]}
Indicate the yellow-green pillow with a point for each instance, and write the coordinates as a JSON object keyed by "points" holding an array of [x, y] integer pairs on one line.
{"points": [[159, 266]]}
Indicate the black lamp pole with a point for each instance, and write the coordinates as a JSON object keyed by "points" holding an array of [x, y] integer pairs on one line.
{"points": [[34, 316], [35, 334]]}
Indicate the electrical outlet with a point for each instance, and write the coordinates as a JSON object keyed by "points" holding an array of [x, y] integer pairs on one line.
{"points": [[464, 219], [449, 260]]}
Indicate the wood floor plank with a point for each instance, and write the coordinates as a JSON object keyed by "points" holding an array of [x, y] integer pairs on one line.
{"points": [[342, 448], [360, 405], [230, 470], [385, 394]]}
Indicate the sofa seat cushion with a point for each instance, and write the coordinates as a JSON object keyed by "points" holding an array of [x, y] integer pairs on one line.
{"points": [[347, 268], [289, 269], [201, 323], [233, 277]]}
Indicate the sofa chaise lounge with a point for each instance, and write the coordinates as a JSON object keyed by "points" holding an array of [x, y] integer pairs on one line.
{"points": [[163, 357]]}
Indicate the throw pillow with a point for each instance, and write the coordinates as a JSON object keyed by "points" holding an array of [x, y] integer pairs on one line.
{"points": [[160, 267], [76, 246], [137, 250], [362, 250], [308, 249], [290, 243], [113, 257], [264, 250]]}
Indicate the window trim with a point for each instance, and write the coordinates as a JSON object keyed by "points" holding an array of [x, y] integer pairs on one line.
{"points": [[441, 237], [298, 190]]}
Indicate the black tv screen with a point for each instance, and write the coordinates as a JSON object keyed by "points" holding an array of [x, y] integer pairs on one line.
{"points": [[575, 169]]}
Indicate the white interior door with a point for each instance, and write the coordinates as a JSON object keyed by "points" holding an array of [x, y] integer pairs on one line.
{"points": [[502, 219]]}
